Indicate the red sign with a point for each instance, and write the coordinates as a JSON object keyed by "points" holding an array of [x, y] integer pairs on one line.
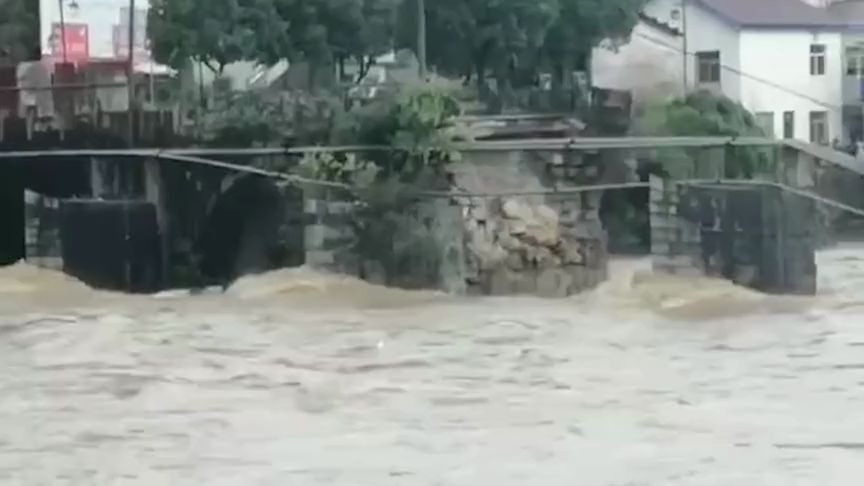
{"points": [[76, 45]]}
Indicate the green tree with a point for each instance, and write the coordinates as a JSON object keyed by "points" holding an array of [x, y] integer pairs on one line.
{"points": [[19, 31], [333, 31], [703, 113], [416, 122], [514, 39], [219, 32], [472, 38], [216, 32], [581, 25]]}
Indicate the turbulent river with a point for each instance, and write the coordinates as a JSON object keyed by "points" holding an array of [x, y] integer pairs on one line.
{"points": [[297, 378]]}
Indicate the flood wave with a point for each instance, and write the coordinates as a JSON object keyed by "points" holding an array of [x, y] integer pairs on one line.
{"points": [[633, 289]]}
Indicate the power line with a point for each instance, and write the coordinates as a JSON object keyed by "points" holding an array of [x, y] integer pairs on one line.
{"points": [[743, 74]]}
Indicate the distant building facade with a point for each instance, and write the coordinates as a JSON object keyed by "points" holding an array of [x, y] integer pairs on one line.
{"points": [[797, 65]]}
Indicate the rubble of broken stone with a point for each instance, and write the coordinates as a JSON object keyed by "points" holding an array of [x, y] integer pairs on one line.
{"points": [[516, 246]]}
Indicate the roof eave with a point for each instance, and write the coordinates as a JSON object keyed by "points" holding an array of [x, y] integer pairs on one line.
{"points": [[796, 26], [778, 26]]}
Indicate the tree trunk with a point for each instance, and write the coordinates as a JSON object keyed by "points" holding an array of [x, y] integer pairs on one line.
{"points": [[480, 69], [365, 67], [341, 68], [361, 60]]}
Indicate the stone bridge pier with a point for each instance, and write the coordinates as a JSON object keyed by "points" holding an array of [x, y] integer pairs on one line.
{"points": [[513, 223], [162, 224]]}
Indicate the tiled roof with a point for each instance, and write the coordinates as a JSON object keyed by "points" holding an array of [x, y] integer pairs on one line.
{"points": [[851, 10], [778, 13], [659, 24]]}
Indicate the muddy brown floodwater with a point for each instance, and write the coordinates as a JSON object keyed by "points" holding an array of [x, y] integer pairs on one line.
{"points": [[300, 378]]}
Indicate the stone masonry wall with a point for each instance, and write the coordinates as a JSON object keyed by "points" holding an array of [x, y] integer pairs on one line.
{"points": [[531, 242], [329, 239], [675, 242], [516, 246], [546, 245], [757, 236]]}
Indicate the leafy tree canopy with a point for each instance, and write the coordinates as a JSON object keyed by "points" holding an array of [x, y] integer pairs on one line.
{"points": [[514, 39], [219, 32], [19, 30], [700, 113], [215, 32], [703, 113], [510, 39]]}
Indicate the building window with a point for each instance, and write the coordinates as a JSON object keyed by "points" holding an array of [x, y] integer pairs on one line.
{"points": [[788, 124], [855, 61], [708, 65], [765, 120], [817, 59], [819, 127]]}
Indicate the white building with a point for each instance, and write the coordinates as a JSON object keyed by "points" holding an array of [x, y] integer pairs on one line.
{"points": [[784, 60], [796, 64]]}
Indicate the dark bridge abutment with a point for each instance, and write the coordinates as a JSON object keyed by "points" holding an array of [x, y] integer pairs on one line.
{"points": [[241, 234], [61, 179], [11, 215]]}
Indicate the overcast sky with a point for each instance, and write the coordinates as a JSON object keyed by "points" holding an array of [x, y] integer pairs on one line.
{"points": [[99, 15]]}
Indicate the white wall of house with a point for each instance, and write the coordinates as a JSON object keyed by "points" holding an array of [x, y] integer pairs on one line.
{"points": [[644, 66], [706, 32], [768, 71], [782, 57]]}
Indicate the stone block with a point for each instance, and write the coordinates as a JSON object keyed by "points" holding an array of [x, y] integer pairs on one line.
{"points": [[510, 243], [545, 259], [319, 258], [501, 282], [579, 279], [554, 283], [340, 207], [571, 252], [525, 283], [513, 209], [314, 236], [515, 261], [673, 263], [659, 247]]}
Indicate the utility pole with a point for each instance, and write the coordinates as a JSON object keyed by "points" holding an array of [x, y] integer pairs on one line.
{"points": [[421, 38], [684, 44], [63, 30], [130, 73]]}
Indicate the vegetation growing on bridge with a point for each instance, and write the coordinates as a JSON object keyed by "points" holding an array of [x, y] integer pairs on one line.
{"points": [[417, 127]]}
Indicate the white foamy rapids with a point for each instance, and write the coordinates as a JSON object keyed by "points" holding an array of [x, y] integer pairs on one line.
{"points": [[296, 377]]}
